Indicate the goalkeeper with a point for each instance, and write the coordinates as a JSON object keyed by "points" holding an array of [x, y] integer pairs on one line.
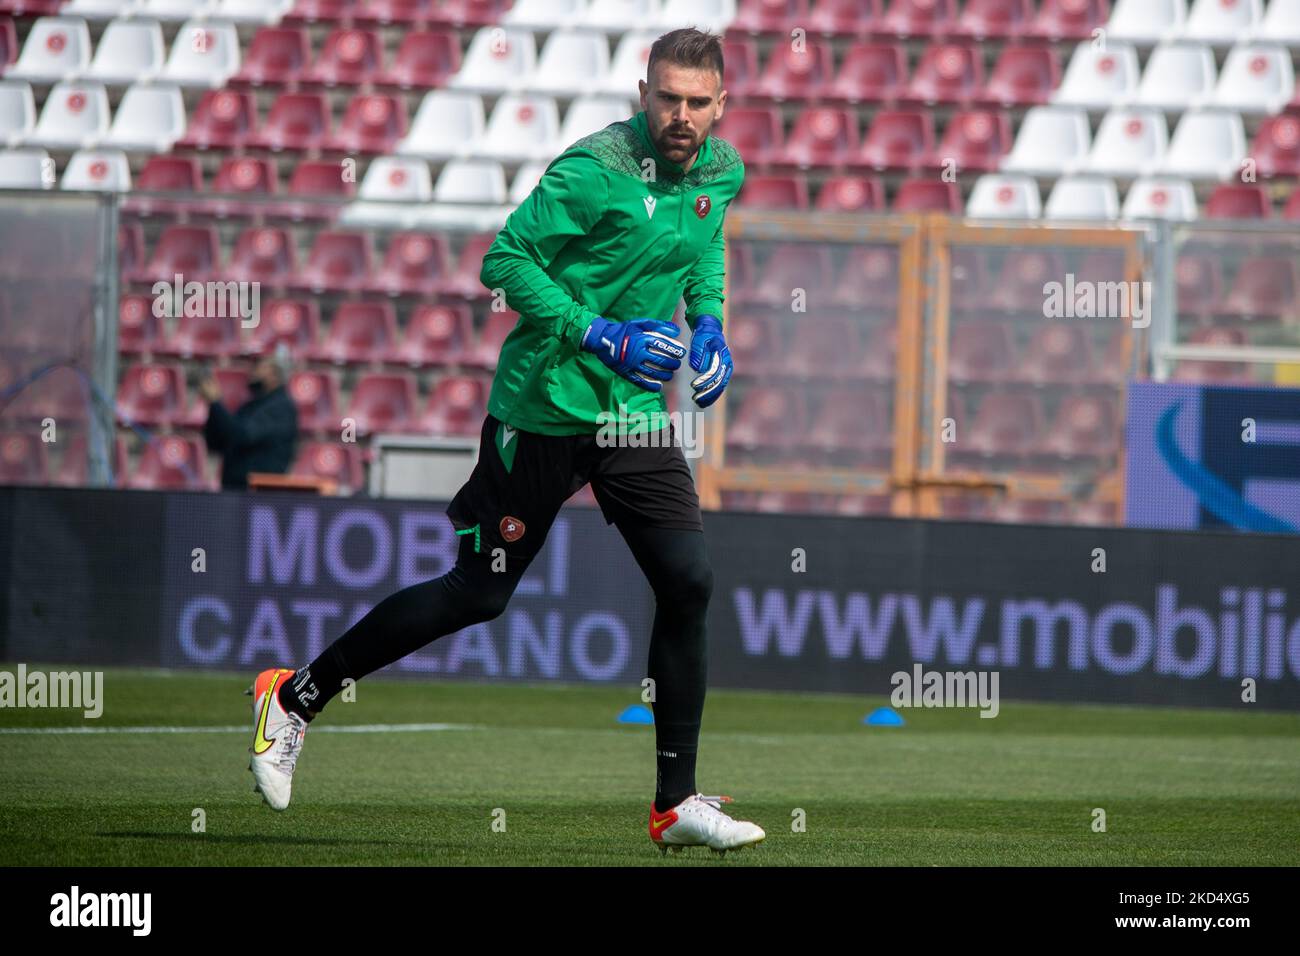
{"points": [[623, 225]]}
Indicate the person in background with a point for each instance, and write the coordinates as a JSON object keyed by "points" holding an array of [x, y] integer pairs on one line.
{"points": [[261, 435]]}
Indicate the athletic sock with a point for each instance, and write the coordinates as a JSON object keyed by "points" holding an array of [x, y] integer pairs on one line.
{"points": [[674, 778]]}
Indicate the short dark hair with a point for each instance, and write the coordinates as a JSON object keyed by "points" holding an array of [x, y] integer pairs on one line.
{"points": [[688, 47]]}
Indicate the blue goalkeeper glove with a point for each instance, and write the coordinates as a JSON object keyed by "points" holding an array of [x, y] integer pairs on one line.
{"points": [[643, 351], [710, 355]]}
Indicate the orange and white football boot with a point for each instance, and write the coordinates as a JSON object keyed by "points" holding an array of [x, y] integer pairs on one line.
{"points": [[699, 821], [277, 739]]}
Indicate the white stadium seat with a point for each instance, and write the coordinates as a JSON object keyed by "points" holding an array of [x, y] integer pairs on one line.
{"points": [[105, 170], [629, 63], [17, 112], [526, 180], [1256, 79], [98, 9], [1083, 197], [498, 61], [1053, 140], [1178, 76], [1207, 145], [714, 15], [75, 116], [390, 192], [1146, 22], [57, 48], [1222, 22], [130, 51], [1281, 23], [621, 16], [172, 11], [252, 11], [204, 54], [26, 169], [1099, 78], [545, 15], [590, 114], [150, 119], [522, 127], [447, 125], [469, 194], [1129, 143], [1160, 198], [997, 196], [571, 63]]}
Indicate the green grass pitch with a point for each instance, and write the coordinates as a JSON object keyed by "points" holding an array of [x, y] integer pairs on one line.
{"points": [[1179, 787]]}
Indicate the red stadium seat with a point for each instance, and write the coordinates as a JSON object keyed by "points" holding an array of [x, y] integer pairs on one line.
{"points": [[1022, 76], [1085, 425], [795, 73], [870, 73], [436, 335], [845, 18], [981, 351], [164, 174], [1024, 273], [1069, 19], [243, 176], [975, 141], [359, 332], [1291, 211], [139, 331], [296, 322], [8, 43], [920, 18], [74, 468], [191, 251], [397, 11], [234, 393], [774, 192], [852, 194], [384, 402], [754, 342], [1198, 279], [372, 123], [897, 140], [224, 119], [424, 59], [340, 461], [487, 349], [464, 280], [23, 459], [768, 418], [1239, 201], [1006, 425], [853, 422], [793, 265], [1057, 353], [204, 336], [995, 19], [349, 57], [130, 248], [879, 360], [456, 406], [277, 56], [868, 279], [338, 262], [968, 280], [948, 74], [296, 121], [740, 56], [316, 396], [757, 133], [822, 138], [1221, 372], [825, 347], [321, 11], [151, 394], [1276, 149], [171, 462], [312, 183], [928, 195], [263, 254], [1263, 287], [416, 263], [768, 16]]}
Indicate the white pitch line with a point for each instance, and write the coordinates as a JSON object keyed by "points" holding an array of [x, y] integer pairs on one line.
{"points": [[342, 729]]}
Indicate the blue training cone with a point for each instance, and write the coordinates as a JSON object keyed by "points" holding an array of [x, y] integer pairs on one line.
{"points": [[636, 714], [883, 717]]}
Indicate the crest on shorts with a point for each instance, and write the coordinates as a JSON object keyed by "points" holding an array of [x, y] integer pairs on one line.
{"points": [[512, 529], [702, 206]]}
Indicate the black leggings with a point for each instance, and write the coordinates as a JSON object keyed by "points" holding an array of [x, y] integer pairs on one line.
{"points": [[674, 561]]}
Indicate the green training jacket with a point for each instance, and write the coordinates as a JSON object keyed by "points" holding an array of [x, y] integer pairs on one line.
{"points": [[612, 229]]}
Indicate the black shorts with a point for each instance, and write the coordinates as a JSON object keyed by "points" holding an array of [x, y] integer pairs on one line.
{"points": [[514, 493]]}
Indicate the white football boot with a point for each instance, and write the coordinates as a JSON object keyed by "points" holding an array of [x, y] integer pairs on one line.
{"points": [[277, 739], [699, 821]]}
